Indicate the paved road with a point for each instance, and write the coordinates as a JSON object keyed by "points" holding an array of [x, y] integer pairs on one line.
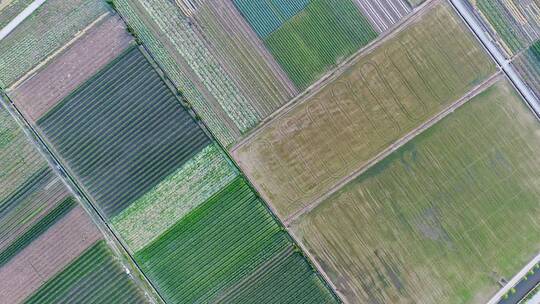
{"points": [[465, 11], [523, 288], [20, 18]]}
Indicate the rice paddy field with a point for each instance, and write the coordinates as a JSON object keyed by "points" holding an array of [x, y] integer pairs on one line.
{"points": [[50, 27], [44, 88], [527, 64], [441, 219], [515, 24], [43, 230], [383, 95]]}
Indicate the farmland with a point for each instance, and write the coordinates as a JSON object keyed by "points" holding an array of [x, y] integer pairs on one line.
{"points": [[47, 255], [47, 29], [383, 95], [190, 51], [160, 208], [516, 24], [148, 134], [444, 217], [528, 66], [243, 56], [19, 161], [9, 9], [224, 244], [163, 52], [383, 14], [95, 276], [317, 38], [93, 50]]}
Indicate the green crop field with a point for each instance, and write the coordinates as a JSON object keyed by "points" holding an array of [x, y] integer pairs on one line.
{"points": [[528, 65], [160, 208], [382, 96], [444, 217], [94, 277], [51, 26], [224, 244], [150, 34], [122, 132], [19, 160], [515, 23], [317, 38]]}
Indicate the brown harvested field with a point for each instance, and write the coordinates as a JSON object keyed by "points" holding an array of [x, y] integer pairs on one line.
{"points": [[47, 255], [41, 91], [383, 95], [443, 218]]}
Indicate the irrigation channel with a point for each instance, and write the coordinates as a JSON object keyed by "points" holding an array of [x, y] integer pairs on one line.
{"points": [[523, 289]]}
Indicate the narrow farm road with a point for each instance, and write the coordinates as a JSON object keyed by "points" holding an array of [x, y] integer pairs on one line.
{"points": [[396, 145], [20, 18], [474, 24]]}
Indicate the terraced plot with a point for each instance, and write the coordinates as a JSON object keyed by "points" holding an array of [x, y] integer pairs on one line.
{"points": [[50, 27], [317, 38], [72, 67], [515, 23], [127, 132], [528, 65], [94, 277], [378, 99], [229, 246], [443, 218]]}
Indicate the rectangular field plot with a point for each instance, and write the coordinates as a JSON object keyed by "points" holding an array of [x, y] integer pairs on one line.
{"points": [[50, 27], [9, 9], [444, 217], [19, 160], [230, 247], [160, 208], [78, 62], [317, 38], [94, 277], [528, 65], [382, 14], [122, 132], [515, 23], [382, 96]]}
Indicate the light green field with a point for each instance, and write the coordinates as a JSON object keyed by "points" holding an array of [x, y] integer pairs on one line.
{"points": [[443, 218], [382, 96], [160, 208], [19, 160]]}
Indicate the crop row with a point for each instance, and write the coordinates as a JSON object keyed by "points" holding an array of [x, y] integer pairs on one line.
{"points": [[127, 131], [46, 30], [514, 22], [382, 96], [220, 243], [160, 208], [10, 9], [528, 65], [310, 43], [424, 224], [148, 32], [95, 276]]}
